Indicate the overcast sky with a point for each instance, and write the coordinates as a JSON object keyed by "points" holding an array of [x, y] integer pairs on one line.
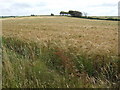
{"points": [[46, 7]]}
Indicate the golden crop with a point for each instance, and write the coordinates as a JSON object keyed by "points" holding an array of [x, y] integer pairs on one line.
{"points": [[87, 36], [58, 51]]}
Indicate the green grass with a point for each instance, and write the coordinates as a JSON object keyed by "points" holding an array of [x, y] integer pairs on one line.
{"points": [[27, 64]]}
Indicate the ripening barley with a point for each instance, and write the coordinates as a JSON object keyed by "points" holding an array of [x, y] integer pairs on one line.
{"points": [[49, 51]]}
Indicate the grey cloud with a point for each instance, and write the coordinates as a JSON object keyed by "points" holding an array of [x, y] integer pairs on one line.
{"points": [[24, 6], [119, 8], [21, 5], [43, 7], [18, 8], [41, 4], [119, 5], [14, 8], [104, 5], [108, 5], [6, 12]]}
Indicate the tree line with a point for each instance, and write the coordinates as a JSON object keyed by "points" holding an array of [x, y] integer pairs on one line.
{"points": [[72, 13]]}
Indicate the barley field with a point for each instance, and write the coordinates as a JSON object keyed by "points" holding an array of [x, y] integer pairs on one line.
{"points": [[59, 52]]}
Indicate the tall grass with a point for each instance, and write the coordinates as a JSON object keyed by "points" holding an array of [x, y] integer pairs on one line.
{"points": [[46, 65]]}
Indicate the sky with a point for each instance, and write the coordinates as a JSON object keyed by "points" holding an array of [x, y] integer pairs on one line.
{"points": [[46, 7]]}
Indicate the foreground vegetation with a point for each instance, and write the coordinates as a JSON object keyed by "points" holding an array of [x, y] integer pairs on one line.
{"points": [[59, 52]]}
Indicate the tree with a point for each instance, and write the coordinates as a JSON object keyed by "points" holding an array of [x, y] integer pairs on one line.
{"points": [[72, 13], [75, 13], [63, 13], [85, 14], [52, 14], [32, 15]]}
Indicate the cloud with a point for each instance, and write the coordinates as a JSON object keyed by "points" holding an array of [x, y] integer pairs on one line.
{"points": [[20, 5], [41, 4], [27, 7], [119, 8], [105, 5]]}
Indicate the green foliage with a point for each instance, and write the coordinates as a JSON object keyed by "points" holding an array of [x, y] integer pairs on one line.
{"points": [[52, 14], [28, 64]]}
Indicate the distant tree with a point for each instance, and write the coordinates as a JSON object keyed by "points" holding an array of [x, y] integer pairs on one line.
{"points": [[66, 13], [63, 13], [32, 15], [85, 14], [52, 14], [75, 13], [71, 12]]}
